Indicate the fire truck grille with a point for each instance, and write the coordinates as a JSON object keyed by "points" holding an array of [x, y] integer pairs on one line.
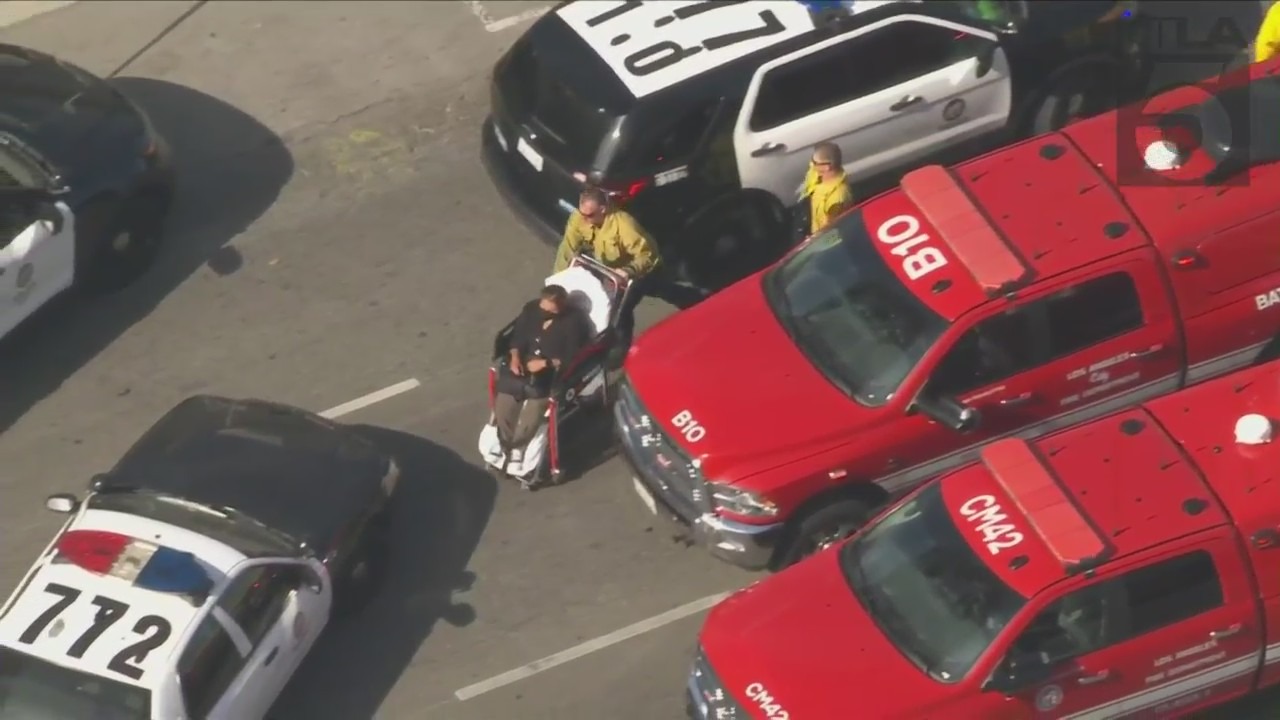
{"points": [[658, 462]]}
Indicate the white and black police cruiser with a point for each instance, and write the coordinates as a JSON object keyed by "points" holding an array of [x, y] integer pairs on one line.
{"points": [[702, 115], [197, 574], [85, 184]]}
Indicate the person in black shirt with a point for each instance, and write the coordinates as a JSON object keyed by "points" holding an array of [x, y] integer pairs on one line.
{"points": [[548, 333]]}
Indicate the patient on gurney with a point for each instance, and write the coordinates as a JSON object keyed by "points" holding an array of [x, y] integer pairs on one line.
{"points": [[547, 334]]}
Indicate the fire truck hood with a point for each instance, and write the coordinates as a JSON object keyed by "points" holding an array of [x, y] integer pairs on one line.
{"points": [[790, 634], [728, 365]]}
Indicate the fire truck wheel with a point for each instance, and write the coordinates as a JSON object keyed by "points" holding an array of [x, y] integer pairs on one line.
{"points": [[823, 528]]}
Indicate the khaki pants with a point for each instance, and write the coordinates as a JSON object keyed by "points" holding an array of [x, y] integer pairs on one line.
{"points": [[517, 422]]}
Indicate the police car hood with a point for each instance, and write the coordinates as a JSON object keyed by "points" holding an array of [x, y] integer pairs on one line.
{"points": [[803, 638], [286, 468], [75, 120], [730, 366]]}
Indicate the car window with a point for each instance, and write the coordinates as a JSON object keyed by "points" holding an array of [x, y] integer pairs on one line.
{"points": [[863, 65], [256, 597], [1126, 607], [1003, 346], [207, 667], [994, 349], [671, 142], [1091, 312], [15, 217]]}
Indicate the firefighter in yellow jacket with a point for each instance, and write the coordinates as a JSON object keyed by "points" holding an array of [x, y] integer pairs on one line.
{"points": [[612, 236], [1267, 44], [608, 234], [825, 186]]}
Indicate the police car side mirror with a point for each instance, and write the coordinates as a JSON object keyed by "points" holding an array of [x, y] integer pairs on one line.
{"points": [[64, 503], [948, 411], [986, 59]]}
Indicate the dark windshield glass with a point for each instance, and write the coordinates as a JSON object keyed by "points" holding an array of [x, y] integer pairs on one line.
{"points": [[222, 524], [849, 314], [32, 689], [929, 593]]}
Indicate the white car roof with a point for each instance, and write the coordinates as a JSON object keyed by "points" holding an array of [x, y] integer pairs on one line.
{"points": [[630, 37], [147, 614]]}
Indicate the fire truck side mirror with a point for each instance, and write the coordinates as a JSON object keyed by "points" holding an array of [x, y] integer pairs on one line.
{"points": [[1017, 673], [948, 411]]}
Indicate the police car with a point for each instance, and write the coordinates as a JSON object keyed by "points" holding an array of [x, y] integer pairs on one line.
{"points": [[195, 576], [85, 183], [702, 115]]}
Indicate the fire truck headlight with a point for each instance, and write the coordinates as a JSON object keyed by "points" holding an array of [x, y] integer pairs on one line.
{"points": [[741, 502]]}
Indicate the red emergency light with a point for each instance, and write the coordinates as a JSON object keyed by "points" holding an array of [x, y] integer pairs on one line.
{"points": [[992, 262], [1033, 488], [144, 564]]}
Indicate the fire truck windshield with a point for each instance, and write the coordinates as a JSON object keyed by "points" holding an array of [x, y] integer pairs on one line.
{"points": [[928, 592], [849, 314]]}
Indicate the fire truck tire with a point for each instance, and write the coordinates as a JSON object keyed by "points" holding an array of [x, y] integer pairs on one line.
{"points": [[822, 528]]}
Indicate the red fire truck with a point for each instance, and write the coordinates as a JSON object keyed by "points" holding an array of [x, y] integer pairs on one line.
{"points": [[1128, 567], [1028, 290]]}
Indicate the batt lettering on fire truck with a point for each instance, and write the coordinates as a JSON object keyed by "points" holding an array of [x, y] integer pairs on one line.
{"points": [[1147, 584], [1021, 292]]}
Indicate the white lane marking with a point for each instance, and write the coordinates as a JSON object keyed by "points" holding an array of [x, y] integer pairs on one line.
{"points": [[499, 24], [514, 20], [588, 647], [365, 401]]}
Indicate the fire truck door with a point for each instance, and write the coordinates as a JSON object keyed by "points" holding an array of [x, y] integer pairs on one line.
{"points": [[1170, 633]]}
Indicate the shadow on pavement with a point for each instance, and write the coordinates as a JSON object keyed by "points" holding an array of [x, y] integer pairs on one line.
{"points": [[443, 506], [230, 169]]}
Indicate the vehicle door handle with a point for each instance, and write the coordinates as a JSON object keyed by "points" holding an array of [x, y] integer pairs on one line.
{"points": [[1095, 678], [768, 149], [1017, 400], [271, 656], [1227, 632], [1146, 353], [906, 102]]}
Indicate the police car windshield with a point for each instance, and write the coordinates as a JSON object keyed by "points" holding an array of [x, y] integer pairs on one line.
{"points": [[32, 689], [225, 525], [849, 314], [928, 592]]}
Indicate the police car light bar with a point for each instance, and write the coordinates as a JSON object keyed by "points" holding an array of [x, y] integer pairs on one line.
{"points": [[145, 565], [987, 256], [1043, 501]]}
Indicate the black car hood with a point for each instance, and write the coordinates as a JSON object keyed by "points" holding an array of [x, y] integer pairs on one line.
{"points": [[75, 120], [286, 468]]}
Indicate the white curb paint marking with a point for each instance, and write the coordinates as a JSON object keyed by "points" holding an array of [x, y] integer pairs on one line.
{"points": [[15, 11], [491, 25], [589, 647], [365, 401]]}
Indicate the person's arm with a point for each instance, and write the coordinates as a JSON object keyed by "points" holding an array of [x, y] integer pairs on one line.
{"points": [[570, 244], [839, 201], [521, 334], [638, 244]]}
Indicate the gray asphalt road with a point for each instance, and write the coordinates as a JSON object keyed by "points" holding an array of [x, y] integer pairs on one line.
{"points": [[336, 235]]}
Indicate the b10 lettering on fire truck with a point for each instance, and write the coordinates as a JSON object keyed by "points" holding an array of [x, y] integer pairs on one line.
{"points": [[989, 519], [769, 704], [903, 233]]}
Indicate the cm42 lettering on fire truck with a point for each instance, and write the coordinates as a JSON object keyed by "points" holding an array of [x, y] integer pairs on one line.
{"points": [[1146, 583], [1018, 293], [701, 116]]}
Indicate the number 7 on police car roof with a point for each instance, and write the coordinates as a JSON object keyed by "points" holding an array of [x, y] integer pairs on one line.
{"points": [[653, 45]]}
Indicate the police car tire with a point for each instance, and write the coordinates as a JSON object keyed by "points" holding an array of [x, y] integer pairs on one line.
{"points": [[701, 266], [845, 514], [1052, 110], [110, 267]]}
